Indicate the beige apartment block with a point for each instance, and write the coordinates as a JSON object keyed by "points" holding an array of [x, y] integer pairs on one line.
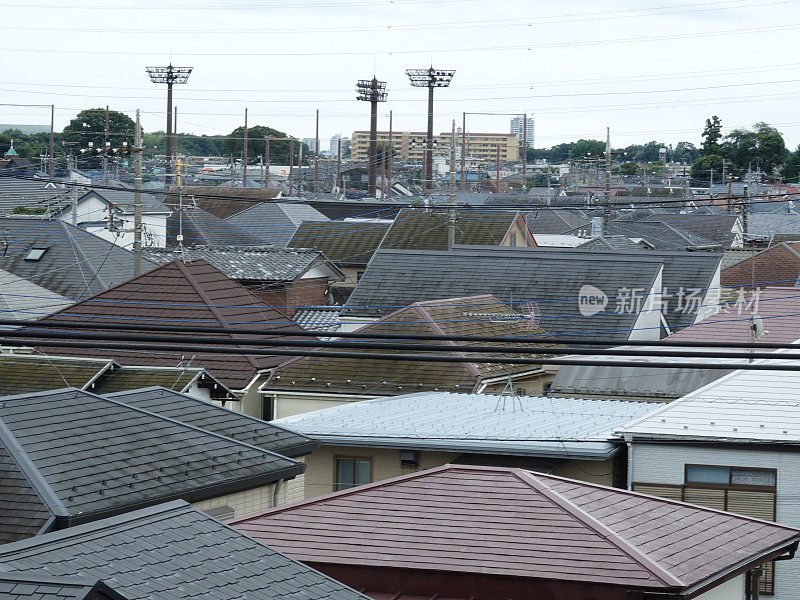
{"points": [[410, 145]]}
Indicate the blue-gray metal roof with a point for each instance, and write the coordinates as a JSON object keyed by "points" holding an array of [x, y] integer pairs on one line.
{"points": [[275, 222], [171, 552], [474, 423]]}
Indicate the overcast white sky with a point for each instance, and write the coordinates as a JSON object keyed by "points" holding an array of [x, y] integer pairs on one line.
{"points": [[649, 69]]}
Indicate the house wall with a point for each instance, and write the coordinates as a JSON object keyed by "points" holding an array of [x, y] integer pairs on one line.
{"points": [[287, 405], [664, 463], [320, 473], [732, 589], [154, 231], [257, 499], [523, 237], [532, 385]]}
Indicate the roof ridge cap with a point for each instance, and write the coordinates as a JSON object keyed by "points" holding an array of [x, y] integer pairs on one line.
{"points": [[469, 366], [600, 528], [31, 472]]}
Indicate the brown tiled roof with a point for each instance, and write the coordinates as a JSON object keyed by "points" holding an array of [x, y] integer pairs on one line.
{"points": [[476, 315], [344, 243], [494, 521], [181, 294], [779, 265], [778, 307], [221, 201], [426, 229]]}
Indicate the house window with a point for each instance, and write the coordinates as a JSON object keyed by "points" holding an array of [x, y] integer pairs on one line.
{"points": [[267, 408], [513, 239], [351, 472], [36, 254], [742, 490]]}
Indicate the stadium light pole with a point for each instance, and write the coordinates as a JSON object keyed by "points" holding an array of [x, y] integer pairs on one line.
{"points": [[429, 78], [169, 75], [372, 91]]}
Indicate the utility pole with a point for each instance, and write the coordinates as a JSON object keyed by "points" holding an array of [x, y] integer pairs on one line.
{"points": [[339, 167], [372, 91], [169, 75], [291, 165], [266, 162], [300, 169], [607, 204], [429, 78], [175, 135], [451, 219], [137, 200], [105, 154], [745, 212], [391, 154], [463, 151], [383, 170], [244, 155], [52, 138], [525, 152], [497, 173], [316, 155]]}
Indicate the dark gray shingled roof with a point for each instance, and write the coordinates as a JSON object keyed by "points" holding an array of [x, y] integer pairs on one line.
{"points": [[43, 586], [172, 552], [552, 278], [76, 264], [202, 228], [34, 194], [275, 222], [662, 236], [211, 417], [88, 456], [612, 242], [260, 263]]}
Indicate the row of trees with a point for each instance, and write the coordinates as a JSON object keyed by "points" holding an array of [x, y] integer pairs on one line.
{"points": [[760, 148], [642, 153], [89, 126]]}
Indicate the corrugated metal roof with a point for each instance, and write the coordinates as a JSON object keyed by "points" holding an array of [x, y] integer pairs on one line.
{"points": [[486, 423], [758, 406], [500, 522]]}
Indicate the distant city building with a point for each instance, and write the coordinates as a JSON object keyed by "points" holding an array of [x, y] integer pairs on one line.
{"points": [[517, 128], [335, 144], [311, 143], [410, 145]]}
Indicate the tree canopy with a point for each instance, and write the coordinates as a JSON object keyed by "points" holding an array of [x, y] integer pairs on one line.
{"points": [[712, 133], [256, 144], [583, 147]]}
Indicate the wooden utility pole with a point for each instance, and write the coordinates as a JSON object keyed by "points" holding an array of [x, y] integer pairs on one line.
{"points": [[339, 167], [383, 170], [266, 162], [52, 134], [391, 154], [137, 199], [463, 151], [105, 151], [244, 154], [607, 203], [451, 218], [525, 152], [316, 155], [291, 165], [498, 169]]}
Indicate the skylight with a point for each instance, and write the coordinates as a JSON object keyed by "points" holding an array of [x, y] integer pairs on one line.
{"points": [[36, 254]]}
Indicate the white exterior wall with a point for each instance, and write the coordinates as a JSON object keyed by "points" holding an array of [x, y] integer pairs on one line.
{"points": [[663, 463], [711, 300], [648, 323], [730, 590], [154, 231], [257, 499]]}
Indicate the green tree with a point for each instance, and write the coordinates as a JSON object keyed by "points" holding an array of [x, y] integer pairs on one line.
{"points": [[763, 147], [629, 168], [685, 152], [791, 168], [701, 168], [771, 147], [712, 133], [256, 144], [584, 147], [90, 125]]}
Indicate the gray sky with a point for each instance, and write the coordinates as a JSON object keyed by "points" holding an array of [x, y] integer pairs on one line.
{"points": [[648, 69]]}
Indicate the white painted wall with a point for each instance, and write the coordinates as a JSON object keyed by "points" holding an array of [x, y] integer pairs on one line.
{"points": [[663, 463], [730, 590]]}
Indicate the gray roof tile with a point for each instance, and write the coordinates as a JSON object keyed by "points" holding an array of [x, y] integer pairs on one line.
{"points": [[171, 552]]}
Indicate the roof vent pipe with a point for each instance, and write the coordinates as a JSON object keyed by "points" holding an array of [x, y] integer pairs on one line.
{"points": [[597, 227]]}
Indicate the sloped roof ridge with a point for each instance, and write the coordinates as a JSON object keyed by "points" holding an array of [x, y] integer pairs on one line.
{"points": [[791, 249], [428, 318], [40, 485], [346, 492], [66, 537], [209, 304], [601, 529], [144, 411], [206, 405], [83, 259]]}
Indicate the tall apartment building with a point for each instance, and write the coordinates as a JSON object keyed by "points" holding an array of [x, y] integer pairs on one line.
{"points": [[517, 129], [311, 143], [334, 147], [410, 145]]}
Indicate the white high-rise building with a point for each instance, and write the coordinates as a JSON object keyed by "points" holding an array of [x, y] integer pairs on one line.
{"points": [[334, 147], [311, 143], [517, 128]]}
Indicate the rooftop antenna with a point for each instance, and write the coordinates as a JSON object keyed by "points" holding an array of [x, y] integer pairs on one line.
{"points": [[509, 391]]}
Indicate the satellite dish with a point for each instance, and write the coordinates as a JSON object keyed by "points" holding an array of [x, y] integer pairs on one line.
{"points": [[756, 326]]}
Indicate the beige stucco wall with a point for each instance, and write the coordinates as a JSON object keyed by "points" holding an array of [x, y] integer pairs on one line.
{"points": [[319, 476], [287, 405], [258, 499], [531, 385]]}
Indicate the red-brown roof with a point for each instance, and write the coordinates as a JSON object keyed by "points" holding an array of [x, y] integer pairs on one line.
{"points": [[778, 307], [181, 294], [779, 265], [493, 521]]}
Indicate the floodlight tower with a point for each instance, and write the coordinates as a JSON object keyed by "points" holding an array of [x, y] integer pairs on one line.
{"points": [[372, 91], [169, 75], [429, 78]]}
